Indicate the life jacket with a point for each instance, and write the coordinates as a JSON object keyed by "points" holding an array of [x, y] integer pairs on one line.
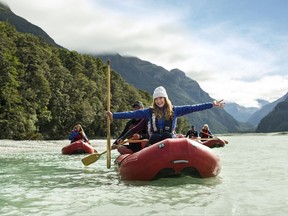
{"points": [[205, 134], [193, 133], [153, 126], [79, 136], [74, 136]]}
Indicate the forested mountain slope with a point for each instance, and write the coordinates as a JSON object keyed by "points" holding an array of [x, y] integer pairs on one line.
{"points": [[275, 121], [256, 117], [45, 90]]}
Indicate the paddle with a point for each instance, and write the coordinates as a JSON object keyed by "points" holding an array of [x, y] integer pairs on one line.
{"points": [[108, 118], [92, 158]]}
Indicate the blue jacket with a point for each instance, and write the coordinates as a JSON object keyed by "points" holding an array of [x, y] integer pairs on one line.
{"points": [[75, 135], [178, 111]]}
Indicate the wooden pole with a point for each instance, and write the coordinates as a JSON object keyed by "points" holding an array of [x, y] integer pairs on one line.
{"points": [[108, 118]]}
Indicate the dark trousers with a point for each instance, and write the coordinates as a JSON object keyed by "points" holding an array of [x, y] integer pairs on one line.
{"points": [[154, 138]]}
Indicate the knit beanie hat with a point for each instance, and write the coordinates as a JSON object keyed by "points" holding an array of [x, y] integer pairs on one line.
{"points": [[160, 92]]}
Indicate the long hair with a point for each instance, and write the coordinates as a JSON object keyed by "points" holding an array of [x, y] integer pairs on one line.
{"points": [[168, 113], [206, 127], [78, 125]]}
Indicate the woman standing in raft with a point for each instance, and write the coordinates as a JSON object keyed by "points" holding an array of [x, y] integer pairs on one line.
{"points": [[162, 116]]}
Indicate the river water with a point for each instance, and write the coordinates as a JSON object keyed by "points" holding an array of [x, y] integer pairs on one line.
{"points": [[36, 179]]}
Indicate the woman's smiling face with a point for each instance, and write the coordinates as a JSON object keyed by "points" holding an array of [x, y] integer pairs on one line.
{"points": [[159, 101]]}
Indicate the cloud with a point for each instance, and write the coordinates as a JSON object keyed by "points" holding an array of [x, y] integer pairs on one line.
{"points": [[245, 93]]}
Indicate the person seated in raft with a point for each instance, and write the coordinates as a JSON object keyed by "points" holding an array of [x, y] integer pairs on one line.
{"points": [[205, 132], [135, 129], [192, 133], [162, 116], [78, 134]]}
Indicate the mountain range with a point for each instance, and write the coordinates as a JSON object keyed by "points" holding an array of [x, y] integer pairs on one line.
{"points": [[257, 116], [240, 113], [276, 120], [181, 89]]}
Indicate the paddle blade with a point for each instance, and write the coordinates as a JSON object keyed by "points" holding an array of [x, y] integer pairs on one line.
{"points": [[92, 158]]}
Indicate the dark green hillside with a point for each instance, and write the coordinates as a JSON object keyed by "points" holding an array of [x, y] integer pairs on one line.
{"points": [[45, 90], [275, 121]]}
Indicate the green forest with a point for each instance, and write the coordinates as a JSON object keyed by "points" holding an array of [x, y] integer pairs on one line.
{"points": [[46, 90]]}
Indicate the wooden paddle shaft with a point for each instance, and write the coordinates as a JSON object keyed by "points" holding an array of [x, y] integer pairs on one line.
{"points": [[108, 118]]}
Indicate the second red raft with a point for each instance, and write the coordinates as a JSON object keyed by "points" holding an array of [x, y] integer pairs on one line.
{"points": [[78, 147]]}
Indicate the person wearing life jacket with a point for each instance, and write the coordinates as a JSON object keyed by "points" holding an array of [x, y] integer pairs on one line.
{"points": [[78, 134], [205, 132], [135, 129], [192, 133], [162, 116]]}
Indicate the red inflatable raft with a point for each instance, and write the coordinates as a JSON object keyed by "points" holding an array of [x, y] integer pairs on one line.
{"points": [[78, 147], [213, 142], [167, 158]]}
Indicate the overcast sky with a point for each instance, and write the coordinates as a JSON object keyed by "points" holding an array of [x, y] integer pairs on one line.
{"points": [[237, 50]]}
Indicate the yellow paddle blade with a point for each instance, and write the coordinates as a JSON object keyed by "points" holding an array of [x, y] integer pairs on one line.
{"points": [[92, 158]]}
